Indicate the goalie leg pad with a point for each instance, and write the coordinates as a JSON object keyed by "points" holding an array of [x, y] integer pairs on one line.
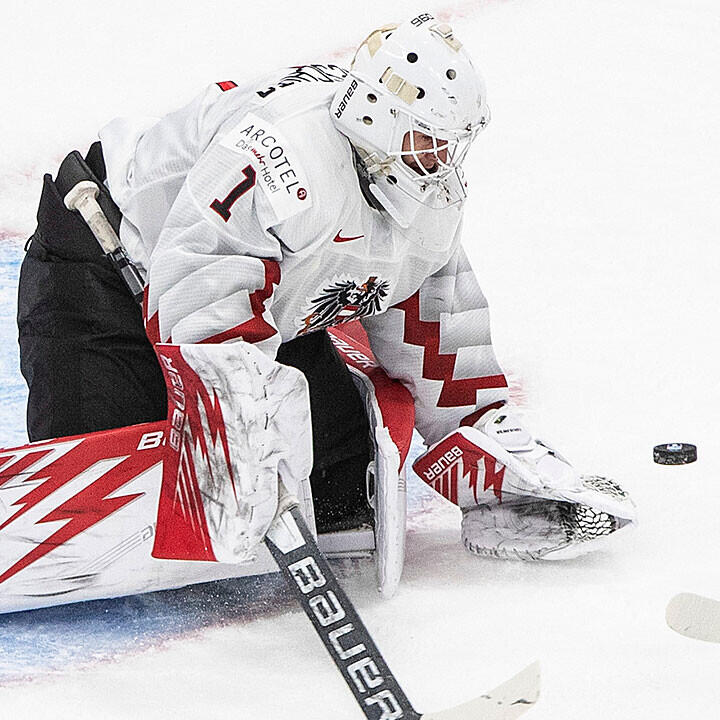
{"points": [[237, 423]]}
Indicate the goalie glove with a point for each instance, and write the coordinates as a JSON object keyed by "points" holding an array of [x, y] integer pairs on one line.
{"points": [[520, 498]]}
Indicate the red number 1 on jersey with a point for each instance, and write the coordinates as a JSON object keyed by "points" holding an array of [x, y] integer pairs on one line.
{"points": [[222, 207]]}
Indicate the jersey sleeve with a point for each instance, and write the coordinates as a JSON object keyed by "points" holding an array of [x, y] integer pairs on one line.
{"points": [[214, 268], [437, 343]]}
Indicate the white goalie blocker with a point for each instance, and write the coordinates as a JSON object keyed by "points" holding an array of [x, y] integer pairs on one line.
{"points": [[80, 516]]}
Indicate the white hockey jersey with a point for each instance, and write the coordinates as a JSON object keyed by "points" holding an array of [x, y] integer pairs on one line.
{"points": [[245, 209]]}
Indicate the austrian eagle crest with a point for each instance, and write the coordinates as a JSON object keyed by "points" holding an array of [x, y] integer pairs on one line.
{"points": [[344, 300]]}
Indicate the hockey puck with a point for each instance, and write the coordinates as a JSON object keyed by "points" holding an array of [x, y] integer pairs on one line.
{"points": [[674, 454]]}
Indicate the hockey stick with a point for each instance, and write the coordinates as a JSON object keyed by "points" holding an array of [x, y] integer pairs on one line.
{"points": [[307, 573], [82, 197], [353, 650], [694, 616]]}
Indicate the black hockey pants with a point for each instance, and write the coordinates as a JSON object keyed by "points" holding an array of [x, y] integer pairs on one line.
{"points": [[89, 365]]}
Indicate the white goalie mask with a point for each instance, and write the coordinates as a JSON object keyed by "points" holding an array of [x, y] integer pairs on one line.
{"points": [[411, 106]]}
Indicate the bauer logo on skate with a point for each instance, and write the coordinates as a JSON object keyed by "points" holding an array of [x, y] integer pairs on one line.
{"points": [[351, 654], [455, 458]]}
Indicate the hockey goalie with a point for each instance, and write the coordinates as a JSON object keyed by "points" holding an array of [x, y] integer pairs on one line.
{"points": [[306, 303]]}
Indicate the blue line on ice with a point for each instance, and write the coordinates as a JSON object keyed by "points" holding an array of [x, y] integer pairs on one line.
{"points": [[59, 638]]}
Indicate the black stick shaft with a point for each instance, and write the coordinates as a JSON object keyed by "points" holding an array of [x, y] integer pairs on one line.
{"points": [[341, 630]]}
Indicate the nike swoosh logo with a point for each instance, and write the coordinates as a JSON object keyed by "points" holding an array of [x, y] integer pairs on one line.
{"points": [[339, 238]]}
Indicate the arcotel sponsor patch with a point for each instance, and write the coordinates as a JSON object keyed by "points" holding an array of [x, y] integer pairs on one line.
{"points": [[279, 173]]}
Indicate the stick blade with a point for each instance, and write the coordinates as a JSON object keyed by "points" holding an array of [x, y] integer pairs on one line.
{"points": [[506, 702], [694, 617]]}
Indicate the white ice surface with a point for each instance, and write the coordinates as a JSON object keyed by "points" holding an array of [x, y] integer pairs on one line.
{"points": [[593, 225]]}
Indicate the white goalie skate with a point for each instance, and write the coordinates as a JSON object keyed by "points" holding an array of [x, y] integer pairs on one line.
{"points": [[521, 499]]}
